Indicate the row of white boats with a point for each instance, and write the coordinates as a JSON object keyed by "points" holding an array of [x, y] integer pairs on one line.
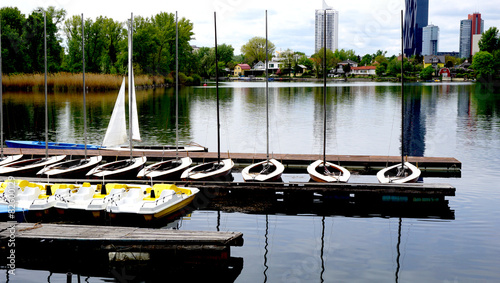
{"points": [[152, 202]]}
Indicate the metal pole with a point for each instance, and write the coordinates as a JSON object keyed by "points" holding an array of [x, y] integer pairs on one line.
{"points": [[130, 86], [217, 89], [176, 88], [402, 99], [1, 95], [84, 98], [267, 95], [46, 107], [324, 88]]}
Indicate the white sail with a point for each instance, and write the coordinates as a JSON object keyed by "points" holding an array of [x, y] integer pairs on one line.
{"points": [[116, 134], [136, 135]]}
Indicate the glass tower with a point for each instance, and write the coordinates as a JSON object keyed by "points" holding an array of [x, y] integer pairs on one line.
{"points": [[416, 18], [332, 28]]}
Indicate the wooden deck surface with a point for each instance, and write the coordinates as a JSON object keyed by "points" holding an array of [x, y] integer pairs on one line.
{"points": [[113, 234]]}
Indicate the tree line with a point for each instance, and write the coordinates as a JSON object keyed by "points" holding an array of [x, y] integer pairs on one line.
{"points": [[105, 41]]}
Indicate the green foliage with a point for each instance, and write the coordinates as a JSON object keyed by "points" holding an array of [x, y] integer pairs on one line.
{"points": [[255, 50], [14, 59], [427, 73], [381, 69], [489, 40], [483, 64]]}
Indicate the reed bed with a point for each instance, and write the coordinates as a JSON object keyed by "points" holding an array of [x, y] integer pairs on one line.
{"points": [[74, 81]]}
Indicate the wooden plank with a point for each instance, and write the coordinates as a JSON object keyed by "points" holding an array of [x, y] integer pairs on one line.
{"points": [[120, 234]]}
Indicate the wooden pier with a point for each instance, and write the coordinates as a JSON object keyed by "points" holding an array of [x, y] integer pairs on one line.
{"points": [[363, 163], [112, 251]]}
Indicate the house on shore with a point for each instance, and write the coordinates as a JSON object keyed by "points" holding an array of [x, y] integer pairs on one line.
{"points": [[239, 70]]}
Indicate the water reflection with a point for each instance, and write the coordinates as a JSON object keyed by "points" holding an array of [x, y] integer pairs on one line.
{"points": [[363, 118]]}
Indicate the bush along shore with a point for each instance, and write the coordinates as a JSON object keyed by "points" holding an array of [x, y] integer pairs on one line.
{"points": [[93, 82]]}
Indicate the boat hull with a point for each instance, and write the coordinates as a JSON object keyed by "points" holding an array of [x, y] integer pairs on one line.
{"points": [[317, 176], [70, 169], [51, 145], [253, 173], [9, 159], [165, 170], [207, 171], [122, 169], [389, 174], [29, 167], [170, 200]]}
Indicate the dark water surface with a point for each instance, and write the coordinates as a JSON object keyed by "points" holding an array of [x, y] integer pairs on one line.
{"points": [[318, 240]]}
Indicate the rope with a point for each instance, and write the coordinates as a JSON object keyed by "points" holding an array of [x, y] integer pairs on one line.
{"points": [[36, 226]]}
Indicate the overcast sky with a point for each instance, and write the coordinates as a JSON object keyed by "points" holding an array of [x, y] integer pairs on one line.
{"points": [[364, 25]]}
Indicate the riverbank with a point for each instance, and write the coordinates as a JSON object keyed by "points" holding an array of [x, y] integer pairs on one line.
{"points": [[74, 82]]}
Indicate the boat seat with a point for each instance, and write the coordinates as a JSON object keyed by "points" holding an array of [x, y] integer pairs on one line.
{"points": [[29, 193]]}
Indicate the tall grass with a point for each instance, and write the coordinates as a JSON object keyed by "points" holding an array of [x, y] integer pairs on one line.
{"points": [[74, 81]]}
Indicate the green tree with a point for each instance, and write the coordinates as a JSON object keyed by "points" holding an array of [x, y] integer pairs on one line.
{"points": [[489, 40], [366, 60], [14, 58], [255, 50], [331, 61], [483, 64], [427, 73], [381, 69], [33, 35]]}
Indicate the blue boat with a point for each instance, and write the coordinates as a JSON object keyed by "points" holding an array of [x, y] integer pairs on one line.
{"points": [[52, 145]]}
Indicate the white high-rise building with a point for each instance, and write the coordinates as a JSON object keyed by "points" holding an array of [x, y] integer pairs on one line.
{"points": [[430, 40], [332, 28]]}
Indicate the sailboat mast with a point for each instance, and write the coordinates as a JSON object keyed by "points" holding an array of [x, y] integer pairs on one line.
{"points": [[84, 98], [324, 88], [1, 95], [402, 98], [267, 95], [176, 88], [130, 84], [217, 88], [45, 85]]}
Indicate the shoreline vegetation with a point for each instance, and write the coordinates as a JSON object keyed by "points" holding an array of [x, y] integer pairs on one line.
{"points": [[74, 81]]}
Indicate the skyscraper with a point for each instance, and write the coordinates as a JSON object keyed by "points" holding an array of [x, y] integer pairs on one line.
{"points": [[416, 18], [465, 38], [430, 37], [468, 28], [332, 28]]}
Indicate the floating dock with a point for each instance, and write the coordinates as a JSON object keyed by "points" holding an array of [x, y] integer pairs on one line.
{"points": [[111, 251]]}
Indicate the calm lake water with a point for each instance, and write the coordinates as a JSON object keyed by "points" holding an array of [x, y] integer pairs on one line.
{"points": [[316, 240]]}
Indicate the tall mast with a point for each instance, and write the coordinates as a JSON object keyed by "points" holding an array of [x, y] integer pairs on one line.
{"points": [[267, 95], [402, 99], [217, 88], [324, 88], [1, 95], [84, 99], [130, 86], [176, 88], [45, 85]]}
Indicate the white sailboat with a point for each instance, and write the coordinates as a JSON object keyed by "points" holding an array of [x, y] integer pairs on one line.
{"points": [[219, 169], [116, 133], [170, 169], [404, 172], [322, 170], [75, 168], [269, 169]]}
